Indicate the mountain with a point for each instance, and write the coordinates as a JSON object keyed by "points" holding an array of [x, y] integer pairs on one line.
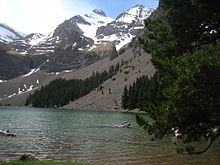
{"points": [[125, 26], [32, 44], [83, 39], [7, 34], [89, 23], [75, 49], [133, 62], [90, 32], [78, 33]]}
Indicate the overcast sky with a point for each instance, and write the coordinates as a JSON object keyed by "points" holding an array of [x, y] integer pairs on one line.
{"points": [[43, 16]]}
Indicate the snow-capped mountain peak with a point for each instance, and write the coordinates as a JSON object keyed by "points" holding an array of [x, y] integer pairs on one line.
{"points": [[98, 17], [7, 34], [137, 13], [95, 19], [85, 32], [125, 26], [34, 38]]}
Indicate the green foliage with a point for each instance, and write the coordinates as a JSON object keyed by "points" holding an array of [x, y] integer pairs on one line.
{"points": [[125, 98], [160, 40], [184, 95], [59, 92], [143, 93], [194, 22]]}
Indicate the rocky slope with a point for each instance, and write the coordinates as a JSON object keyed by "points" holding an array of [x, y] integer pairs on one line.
{"points": [[111, 101], [137, 63]]}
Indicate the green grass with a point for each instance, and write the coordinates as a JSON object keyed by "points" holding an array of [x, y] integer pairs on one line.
{"points": [[39, 163]]}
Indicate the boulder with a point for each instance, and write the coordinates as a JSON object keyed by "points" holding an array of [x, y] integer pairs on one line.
{"points": [[27, 157]]}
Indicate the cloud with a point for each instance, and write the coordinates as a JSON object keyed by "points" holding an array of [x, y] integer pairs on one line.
{"points": [[42, 16]]}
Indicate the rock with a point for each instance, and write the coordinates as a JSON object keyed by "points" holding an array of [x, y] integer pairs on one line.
{"points": [[114, 53], [100, 12], [27, 157]]}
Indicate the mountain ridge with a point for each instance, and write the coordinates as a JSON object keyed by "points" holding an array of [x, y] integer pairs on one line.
{"points": [[67, 53], [98, 27], [89, 37]]}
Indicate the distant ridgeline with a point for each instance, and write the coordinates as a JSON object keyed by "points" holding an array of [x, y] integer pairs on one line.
{"points": [[60, 91]]}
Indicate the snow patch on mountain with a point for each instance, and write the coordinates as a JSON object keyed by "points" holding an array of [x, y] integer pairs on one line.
{"points": [[23, 90], [31, 72], [10, 96], [124, 40], [3, 81], [94, 20], [125, 27], [35, 43], [134, 14], [7, 34], [37, 38], [119, 41]]}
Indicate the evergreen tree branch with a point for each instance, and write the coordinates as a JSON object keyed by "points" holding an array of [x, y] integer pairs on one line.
{"points": [[206, 149]]}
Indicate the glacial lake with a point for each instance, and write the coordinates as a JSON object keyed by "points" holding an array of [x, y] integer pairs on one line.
{"points": [[89, 137]]}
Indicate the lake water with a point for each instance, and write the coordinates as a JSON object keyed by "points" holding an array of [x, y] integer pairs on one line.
{"points": [[89, 137]]}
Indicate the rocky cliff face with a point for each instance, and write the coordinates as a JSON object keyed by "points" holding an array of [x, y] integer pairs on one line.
{"points": [[12, 66], [69, 34]]}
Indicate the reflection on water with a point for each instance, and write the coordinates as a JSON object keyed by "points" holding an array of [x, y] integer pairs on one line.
{"points": [[90, 137]]}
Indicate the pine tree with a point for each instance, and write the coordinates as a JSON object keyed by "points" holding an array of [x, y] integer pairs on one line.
{"points": [[185, 48], [125, 98]]}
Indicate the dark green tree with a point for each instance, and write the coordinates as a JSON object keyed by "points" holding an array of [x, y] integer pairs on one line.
{"points": [[125, 98], [185, 50], [194, 22]]}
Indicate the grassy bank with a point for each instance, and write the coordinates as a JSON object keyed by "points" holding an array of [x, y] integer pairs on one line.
{"points": [[39, 163]]}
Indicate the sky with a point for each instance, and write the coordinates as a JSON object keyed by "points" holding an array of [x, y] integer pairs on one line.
{"points": [[43, 16]]}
